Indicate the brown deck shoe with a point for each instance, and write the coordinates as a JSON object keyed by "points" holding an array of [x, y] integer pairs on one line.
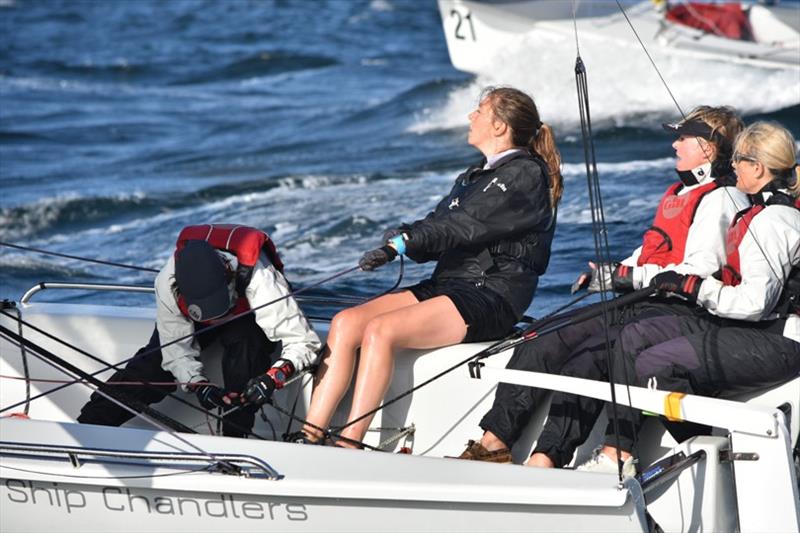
{"points": [[476, 452]]}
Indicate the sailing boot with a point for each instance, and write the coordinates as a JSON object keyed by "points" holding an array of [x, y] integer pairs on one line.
{"points": [[475, 451]]}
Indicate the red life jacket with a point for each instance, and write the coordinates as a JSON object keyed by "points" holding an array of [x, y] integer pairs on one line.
{"points": [[245, 243], [664, 242], [731, 273]]}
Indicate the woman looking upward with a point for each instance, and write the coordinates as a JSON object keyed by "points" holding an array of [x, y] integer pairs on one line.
{"points": [[490, 237]]}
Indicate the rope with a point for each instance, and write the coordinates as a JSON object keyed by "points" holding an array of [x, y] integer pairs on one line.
{"points": [[652, 62], [78, 258], [323, 299], [83, 381], [599, 229]]}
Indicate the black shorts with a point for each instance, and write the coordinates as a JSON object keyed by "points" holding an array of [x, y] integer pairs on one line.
{"points": [[485, 313]]}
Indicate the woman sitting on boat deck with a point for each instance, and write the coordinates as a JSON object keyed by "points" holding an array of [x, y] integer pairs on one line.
{"points": [[687, 235], [491, 239], [744, 336]]}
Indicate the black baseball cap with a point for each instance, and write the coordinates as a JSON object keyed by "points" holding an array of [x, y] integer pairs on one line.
{"points": [[202, 281], [690, 128]]}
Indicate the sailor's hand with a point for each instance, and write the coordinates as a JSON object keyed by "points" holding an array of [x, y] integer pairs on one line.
{"points": [[259, 390], [601, 277], [390, 233], [211, 396], [670, 283], [581, 282], [622, 278], [377, 257]]}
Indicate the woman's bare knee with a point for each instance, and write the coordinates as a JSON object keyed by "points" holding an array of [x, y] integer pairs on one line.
{"points": [[346, 327], [380, 331]]}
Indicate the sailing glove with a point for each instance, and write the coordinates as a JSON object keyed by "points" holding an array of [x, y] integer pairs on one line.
{"points": [[259, 389], [613, 276], [377, 257], [600, 275], [685, 286], [210, 396], [622, 278]]}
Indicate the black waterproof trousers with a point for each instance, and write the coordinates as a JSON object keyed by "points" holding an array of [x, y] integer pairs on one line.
{"points": [[696, 354], [246, 353], [582, 343]]}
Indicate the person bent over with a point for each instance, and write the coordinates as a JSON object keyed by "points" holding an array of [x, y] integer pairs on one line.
{"points": [[217, 272]]}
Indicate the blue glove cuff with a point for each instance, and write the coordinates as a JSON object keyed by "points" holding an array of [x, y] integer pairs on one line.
{"points": [[399, 244]]}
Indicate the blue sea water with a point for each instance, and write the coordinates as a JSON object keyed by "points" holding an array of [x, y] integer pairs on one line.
{"points": [[322, 122]]}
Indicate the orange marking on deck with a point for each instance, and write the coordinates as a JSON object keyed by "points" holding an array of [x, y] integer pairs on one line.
{"points": [[672, 406]]}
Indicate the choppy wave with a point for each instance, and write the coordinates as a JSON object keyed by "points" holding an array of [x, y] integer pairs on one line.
{"points": [[71, 211], [64, 211], [623, 87], [264, 63], [119, 71]]}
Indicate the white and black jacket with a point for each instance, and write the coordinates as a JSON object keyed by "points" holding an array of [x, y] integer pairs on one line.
{"points": [[767, 253], [282, 321]]}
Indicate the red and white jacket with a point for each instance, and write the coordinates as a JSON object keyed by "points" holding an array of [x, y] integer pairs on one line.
{"points": [[765, 245], [697, 217], [282, 321]]}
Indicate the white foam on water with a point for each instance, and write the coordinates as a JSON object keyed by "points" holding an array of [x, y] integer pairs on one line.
{"points": [[572, 170], [623, 86], [381, 5]]}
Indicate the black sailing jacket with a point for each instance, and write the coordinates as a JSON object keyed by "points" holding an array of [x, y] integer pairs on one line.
{"points": [[494, 229]]}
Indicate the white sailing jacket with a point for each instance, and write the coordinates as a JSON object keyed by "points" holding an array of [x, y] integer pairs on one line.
{"points": [[767, 253], [281, 321]]}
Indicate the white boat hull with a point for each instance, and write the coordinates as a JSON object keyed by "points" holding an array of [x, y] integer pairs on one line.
{"points": [[478, 33], [91, 478], [319, 489]]}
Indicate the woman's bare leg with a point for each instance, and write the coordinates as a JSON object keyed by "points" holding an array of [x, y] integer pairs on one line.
{"points": [[429, 324], [540, 460], [492, 442], [336, 367]]}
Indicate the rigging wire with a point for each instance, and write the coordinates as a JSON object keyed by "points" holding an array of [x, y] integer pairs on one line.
{"points": [[78, 258], [599, 228], [67, 368], [652, 61], [322, 299]]}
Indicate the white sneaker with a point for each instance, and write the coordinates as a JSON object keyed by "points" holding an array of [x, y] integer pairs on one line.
{"points": [[600, 462]]}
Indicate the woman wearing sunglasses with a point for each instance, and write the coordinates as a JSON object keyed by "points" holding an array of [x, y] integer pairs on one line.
{"points": [[746, 334]]}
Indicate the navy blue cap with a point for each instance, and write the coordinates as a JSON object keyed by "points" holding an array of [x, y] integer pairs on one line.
{"points": [[690, 128], [202, 280]]}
